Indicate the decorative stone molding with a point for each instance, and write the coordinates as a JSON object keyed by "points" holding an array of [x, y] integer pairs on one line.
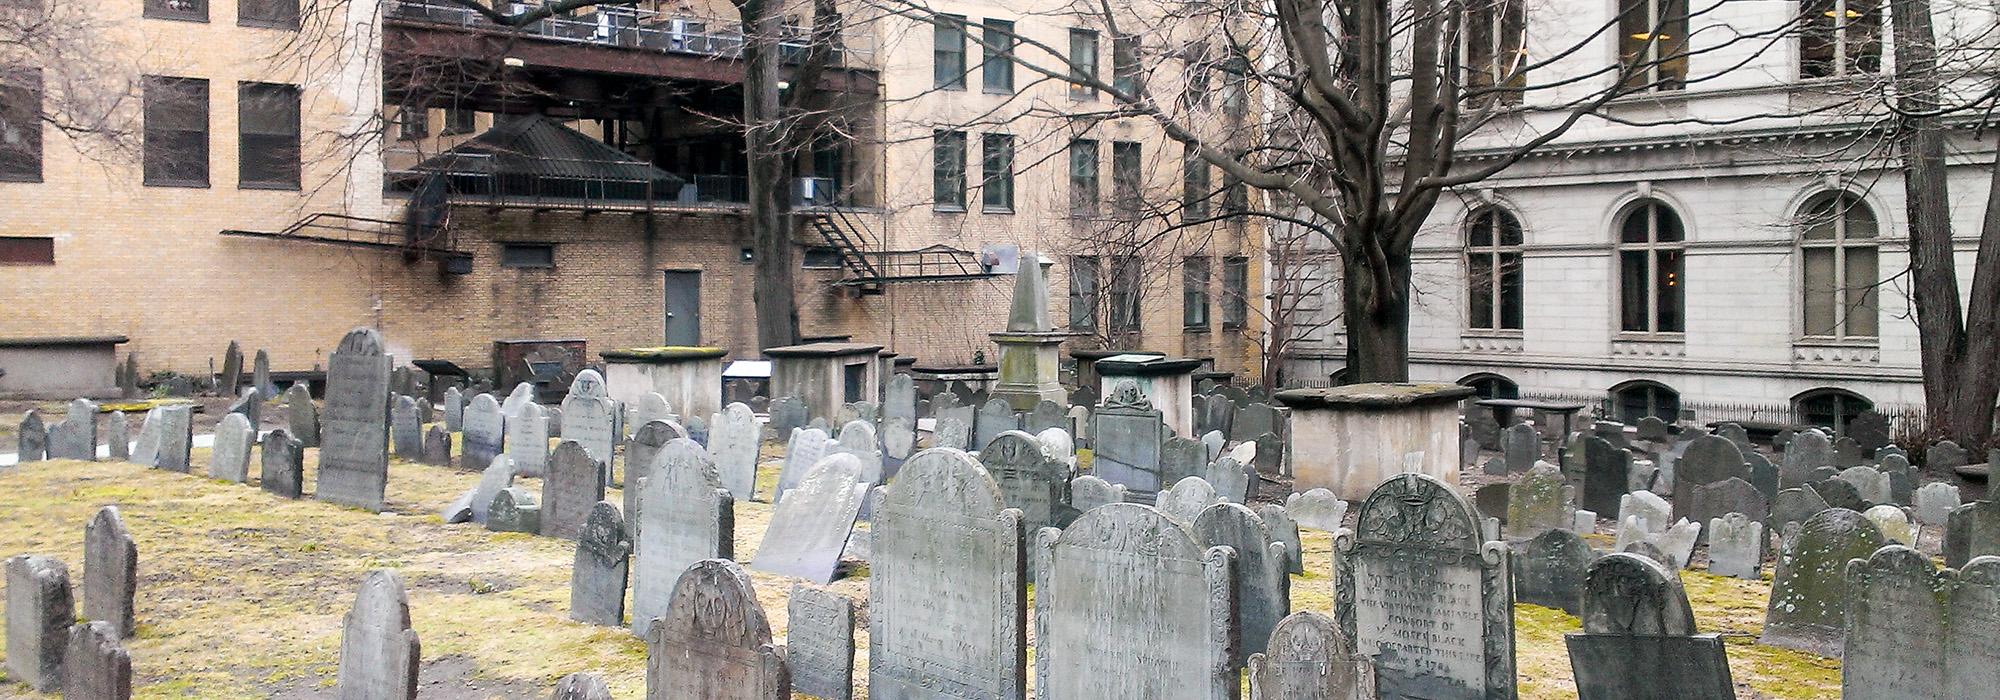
{"points": [[1649, 347], [1490, 343], [1839, 353]]}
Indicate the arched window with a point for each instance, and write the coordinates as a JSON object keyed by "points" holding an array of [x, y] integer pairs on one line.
{"points": [[1837, 234], [1640, 398], [1839, 37], [1650, 266], [1492, 386], [1831, 408], [1493, 270]]}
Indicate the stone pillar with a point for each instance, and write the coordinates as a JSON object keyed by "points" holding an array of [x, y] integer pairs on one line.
{"points": [[1349, 439], [1029, 346]]}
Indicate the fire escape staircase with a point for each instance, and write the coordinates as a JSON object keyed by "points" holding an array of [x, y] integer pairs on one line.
{"points": [[867, 269]]}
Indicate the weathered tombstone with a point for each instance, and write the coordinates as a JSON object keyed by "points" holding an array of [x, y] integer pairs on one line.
{"points": [[1030, 479], [857, 438], [802, 451], [39, 614], [1869, 483], [1895, 627], [1902, 479], [527, 440], [788, 412], [899, 439], [996, 417], [590, 418], [128, 379], [1971, 530], [1318, 509], [1522, 447], [1536, 503], [1046, 414], [581, 686], [1809, 597], [1583, 522], [1424, 595], [379, 653], [406, 428], [1639, 638], [1654, 513], [95, 664], [232, 370], [1972, 613], [1263, 583], [250, 404], [32, 439], [1481, 427], [732, 441], [75, 437], [1213, 412], [1232, 480], [1254, 419], [809, 529], [597, 580], [1935, 502], [952, 433], [1653, 429], [301, 415], [110, 571], [819, 642], [176, 442], [1181, 458], [1087, 492], [1869, 429], [947, 603], [437, 446], [1606, 473], [1736, 546], [229, 460], [1126, 440], [1677, 542], [354, 439], [1186, 499], [117, 436], [1286, 530], [712, 641], [1550, 568], [1794, 506], [1840, 493], [522, 394], [1731, 495], [1310, 660], [454, 409], [650, 407], [1709, 459], [574, 485], [1100, 584], [514, 510], [1944, 456], [1491, 500]]}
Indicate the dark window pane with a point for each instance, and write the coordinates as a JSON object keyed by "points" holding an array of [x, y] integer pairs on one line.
{"points": [[459, 121], [176, 131], [1671, 318], [948, 55], [1509, 227], [948, 169], [1083, 185], [1479, 288], [1632, 285], [527, 255], [27, 250], [1083, 63], [1125, 297], [996, 192], [1669, 224], [268, 13], [1125, 67], [1235, 291], [413, 123], [196, 10], [1083, 293], [1194, 291], [268, 139], [997, 67], [1511, 287], [1862, 310], [1194, 187], [1633, 229], [21, 126], [1481, 234], [1126, 176]]}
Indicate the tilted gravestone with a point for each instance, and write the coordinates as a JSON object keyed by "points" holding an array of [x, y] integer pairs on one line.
{"points": [[229, 459], [76, 436], [685, 515], [1894, 523], [1809, 597], [32, 438], [1763, 474], [1794, 506], [1126, 440], [819, 642], [1944, 456], [1536, 503], [788, 412], [732, 441], [1731, 495], [574, 485], [232, 370], [117, 435], [1030, 479], [1639, 640], [1871, 484], [146, 449], [1654, 512], [499, 475], [712, 641], [454, 409], [1896, 627], [39, 614], [642, 455], [1550, 568], [1839, 493], [1233, 481], [1087, 492], [650, 407], [1263, 581], [952, 433], [528, 440], [1318, 509], [590, 418], [379, 653], [1971, 530], [1286, 530], [110, 571], [1423, 593], [281, 464], [1736, 546], [1606, 473], [437, 446], [899, 398], [857, 437], [1935, 502], [1254, 419], [354, 436], [1709, 459], [1310, 660], [1213, 412], [899, 439], [1100, 584], [406, 428], [1902, 478], [803, 449], [482, 431], [581, 686], [250, 404], [947, 600], [597, 580], [521, 395], [1181, 458], [95, 664], [301, 415], [514, 509], [176, 443], [810, 528]]}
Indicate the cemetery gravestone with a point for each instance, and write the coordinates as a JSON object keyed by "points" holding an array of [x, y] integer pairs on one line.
{"points": [[454, 410], [1809, 597], [947, 601], [899, 438], [574, 485], [1181, 458], [809, 530], [1870, 430], [1945, 456], [712, 640], [232, 370], [39, 614], [437, 446], [1902, 479], [1127, 440], [1731, 495], [95, 664], [1895, 627], [1087, 492], [788, 412], [406, 428], [685, 515], [176, 441], [110, 572], [32, 439], [229, 459], [590, 418], [1935, 502], [952, 433], [899, 398], [732, 441], [281, 467], [1638, 638], [641, 454], [76, 436], [379, 653], [1233, 481], [581, 686], [597, 580], [650, 407], [858, 438], [498, 476], [250, 404], [1422, 593], [1709, 459], [1046, 414], [1736, 546], [527, 440], [483, 433], [1971, 530], [1654, 513], [806, 447], [118, 436], [1605, 474], [514, 510], [1213, 412], [1491, 501], [1840, 493], [1550, 570], [1522, 447], [1255, 419], [1285, 530], [819, 642], [1310, 660], [996, 417], [1263, 583], [1794, 506], [1098, 585], [1869, 483], [354, 440], [301, 415], [1894, 524], [1972, 613], [1186, 499], [1536, 503], [1318, 509], [1028, 477]]}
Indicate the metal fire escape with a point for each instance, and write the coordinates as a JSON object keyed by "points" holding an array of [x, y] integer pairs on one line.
{"points": [[867, 268]]}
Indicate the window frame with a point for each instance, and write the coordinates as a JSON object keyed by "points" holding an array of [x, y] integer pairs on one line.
{"points": [[1197, 186], [9, 251], [245, 18], [1839, 62], [948, 179], [413, 123], [156, 9], [509, 247], [996, 174], [1842, 246], [1127, 293], [1196, 274], [30, 87], [156, 176], [1086, 289], [1128, 176], [1653, 392], [948, 39], [1637, 46], [1496, 253], [1235, 291], [1842, 398], [1489, 385], [455, 114], [1083, 41], [1653, 250], [1086, 186], [996, 65], [1125, 66], [245, 110], [1494, 53]]}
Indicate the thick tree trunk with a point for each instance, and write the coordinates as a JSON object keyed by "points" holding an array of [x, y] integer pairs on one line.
{"points": [[1376, 309], [770, 192]]}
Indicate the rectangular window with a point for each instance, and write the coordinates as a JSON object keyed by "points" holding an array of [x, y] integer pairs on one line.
{"points": [[267, 121], [176, 132], [820, 258], [1194, 292], [1235, 291], [948, 53], [996, 68], [1083, 291], [1840, 37], [1125, 296], [1125, 63], [1235, 195], [996, 176], [274, 14], [1083, 189], [1669, 292], [1196, 66], [1126, 177], [1652, 36], [458, 120], [1194, 187], [27, 250], [527, 255], [1083, 64], [185, 10], [1236, 86], [21, 125], [948, 170], [413, 124], [1493, 51]]}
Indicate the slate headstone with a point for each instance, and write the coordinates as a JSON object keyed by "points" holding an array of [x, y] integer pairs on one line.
{"points": [[1126, 440], [176, 443], [803, 450], [1809, 597], [1869, 483], [1639, 638], [437, 446], [1902, 478], [514, 509], [1653, 512], [1935, 502], [354, 436], [996, 417], [1840, 493], [1186, 499], [302, 415], [1263, 580], [1087, 492], [1794, 506], [597, 580], [809, 529], [75, 437], [454, 409], [732, 441], [1536, 503], [39, 614], [581, 686], [1310, 660], [1971, 530], [857, 438], [712, 641], [1895, 627], [590, 418], [1318, 509], [1736, 546], [684, 515], [281, 464], [229, 459], [406, 428], [95, 664], [528, 440], [1029, 478], [110, 572], [899, 439], [31, 438], [498, 475], [1550, 568], [1285, 530], [379, 653], [1731, 495], [574, 485], [1972, 613], [1944, 456], [232, 370], [819, 642], [1605, 474], [1181, 458], [1522, 447], [1869, 429], [117, 435], [1709, 459], [952, 433]]}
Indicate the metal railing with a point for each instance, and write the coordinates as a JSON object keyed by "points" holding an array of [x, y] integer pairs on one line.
{"points": [[623, 27], [529, 189]]}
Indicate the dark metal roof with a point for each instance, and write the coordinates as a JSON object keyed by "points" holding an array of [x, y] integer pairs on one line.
{"points": [[540, 148]]}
